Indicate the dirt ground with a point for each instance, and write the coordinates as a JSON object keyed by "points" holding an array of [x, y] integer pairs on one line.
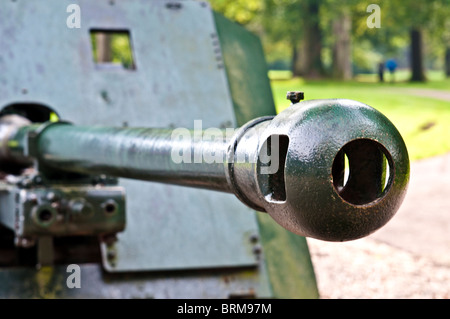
{"points": [[409, 258]]}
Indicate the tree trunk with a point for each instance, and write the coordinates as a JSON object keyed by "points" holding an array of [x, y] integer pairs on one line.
{"points": [[103, 43], [309, 60], [299, 58], [417, 71], [342, 49], [447, 62]]}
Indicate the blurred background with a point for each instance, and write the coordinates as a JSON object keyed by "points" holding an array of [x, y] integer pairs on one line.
{"points": [[395, 56]]}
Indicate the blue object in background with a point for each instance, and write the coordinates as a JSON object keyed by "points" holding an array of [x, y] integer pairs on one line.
{"points": [[391, 65]]}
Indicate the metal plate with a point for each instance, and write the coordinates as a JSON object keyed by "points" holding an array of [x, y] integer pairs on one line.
{"points": [[179, 78], [284, 252], [50, 283]]}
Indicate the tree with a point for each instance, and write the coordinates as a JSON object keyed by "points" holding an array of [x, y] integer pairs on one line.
{"points": [[422, 13], [338, 16], [447, 62], [342, 48], [298, 23], [418, 16], [321, 33], [440, 32], [312, 44], [242, 11], [282, 23], [417, 69]]}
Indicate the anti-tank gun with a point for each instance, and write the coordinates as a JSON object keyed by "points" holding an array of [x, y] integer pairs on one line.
{"points": [[291, 166], [92, 154]]}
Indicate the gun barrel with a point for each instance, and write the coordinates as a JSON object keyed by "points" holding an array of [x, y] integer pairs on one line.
{"points": [[137, 153], [329, 169]]}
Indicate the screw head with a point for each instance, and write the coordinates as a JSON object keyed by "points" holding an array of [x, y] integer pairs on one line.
{"points": [[80, 208], [254, 238], [257, 249], [24, 242], [295, 96], [51, 197], [32, 198], [38, 180]]}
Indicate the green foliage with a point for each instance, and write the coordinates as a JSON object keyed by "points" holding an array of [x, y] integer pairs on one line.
{"points": [[121, 50], [281, 24], [241, 11]]}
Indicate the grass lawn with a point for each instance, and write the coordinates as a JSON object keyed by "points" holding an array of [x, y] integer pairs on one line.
{"points": [[424, 122]]}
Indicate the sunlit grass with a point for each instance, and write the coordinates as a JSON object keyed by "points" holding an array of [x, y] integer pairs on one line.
{"points": [[423, 122]]}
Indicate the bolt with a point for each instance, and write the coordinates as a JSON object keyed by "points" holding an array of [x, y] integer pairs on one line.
{"points": [[24, 242], [101, 180], [257, 249], [52, 197], [32, 198], [37, 180], [25, 183], [295, 96], [109, 239], [96, 180], [254, 238], [111, 254], [105, 96], [173, 5], [81, 208]]}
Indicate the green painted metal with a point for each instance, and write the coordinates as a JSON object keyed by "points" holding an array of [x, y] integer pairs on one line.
{"points": [[287, 256], [246, 69], [136, 153], [331, 210], [288, 261], [68, 211], [179, 77], [62, 74], [49, 282]]}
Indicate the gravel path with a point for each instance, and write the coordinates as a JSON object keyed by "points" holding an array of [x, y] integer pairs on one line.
{"points": [[408, 258], [435, 94], [371, 270]]}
